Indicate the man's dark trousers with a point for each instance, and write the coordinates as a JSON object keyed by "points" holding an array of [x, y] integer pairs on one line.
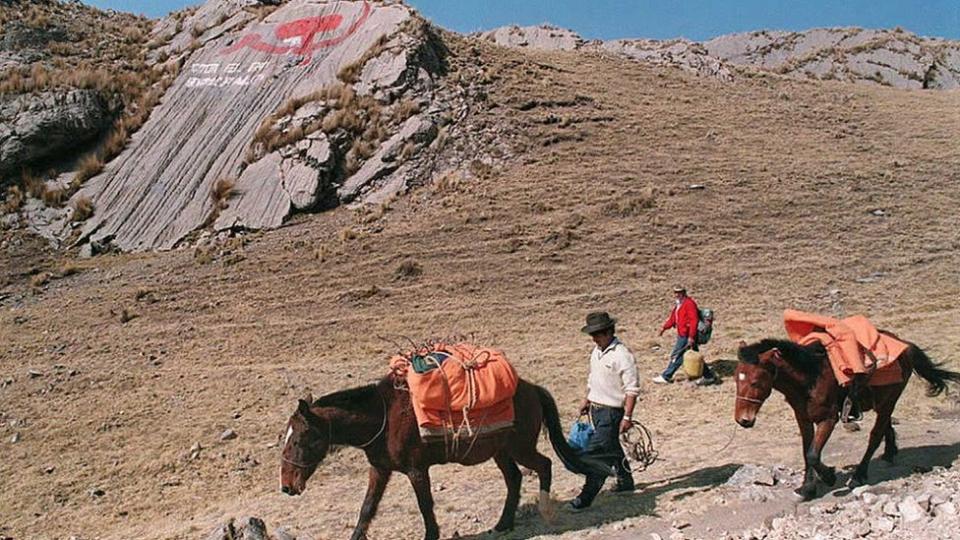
{"points": [[604, 446]]}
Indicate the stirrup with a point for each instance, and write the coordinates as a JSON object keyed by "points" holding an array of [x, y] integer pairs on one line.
{"points": [[847, 409]]}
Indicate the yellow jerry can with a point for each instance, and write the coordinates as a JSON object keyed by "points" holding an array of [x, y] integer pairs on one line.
{"points": [[693, 364]]}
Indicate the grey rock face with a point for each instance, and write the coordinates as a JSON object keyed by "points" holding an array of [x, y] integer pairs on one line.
{"points": [[544, 37], [50, 124], [158, 190], [687, 55], [887, 57], [417, 131]]}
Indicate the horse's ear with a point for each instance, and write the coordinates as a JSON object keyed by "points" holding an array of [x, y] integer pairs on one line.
{"points": [[303, 407], [309, 398], [743, 344], [776, 354]]}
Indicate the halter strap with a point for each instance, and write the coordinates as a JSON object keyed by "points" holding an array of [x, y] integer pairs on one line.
{"points": [[383, 427], [751, 400]]}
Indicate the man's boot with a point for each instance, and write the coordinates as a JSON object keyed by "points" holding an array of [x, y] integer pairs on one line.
{"points": [[589, 492], [625, 484]]}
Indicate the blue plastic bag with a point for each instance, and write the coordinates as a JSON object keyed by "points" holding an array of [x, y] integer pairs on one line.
{"points": [[580, 433]]}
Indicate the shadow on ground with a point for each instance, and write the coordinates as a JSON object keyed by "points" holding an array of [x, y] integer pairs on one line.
{"points": [[723, 368], [611, 507], [918, 459]]}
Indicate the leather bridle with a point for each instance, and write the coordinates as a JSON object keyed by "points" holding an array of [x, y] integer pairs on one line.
{"points": [[383, 427]]}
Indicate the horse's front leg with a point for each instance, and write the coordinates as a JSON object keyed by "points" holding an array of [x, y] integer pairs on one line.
{"points": [[376, 484], [814, 465], [420, 479], [809, 488]]}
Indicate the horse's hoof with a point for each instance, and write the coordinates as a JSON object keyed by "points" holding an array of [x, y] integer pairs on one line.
{"points": [[889, 458], [806, 493], [502, 528], [829, 476]]}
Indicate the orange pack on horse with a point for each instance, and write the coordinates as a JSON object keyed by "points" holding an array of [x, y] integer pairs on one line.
{"points": [[380, 419], [805, 376]]}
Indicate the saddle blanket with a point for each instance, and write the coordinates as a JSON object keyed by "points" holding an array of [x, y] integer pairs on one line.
{"points": [[854, 345], [459, 389]]}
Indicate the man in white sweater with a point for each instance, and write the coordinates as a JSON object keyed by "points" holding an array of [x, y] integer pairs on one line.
{"points": [[612, 390]]}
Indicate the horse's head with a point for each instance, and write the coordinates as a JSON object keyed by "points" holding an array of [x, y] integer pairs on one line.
{"points": [[755, 373], [305, 444]]}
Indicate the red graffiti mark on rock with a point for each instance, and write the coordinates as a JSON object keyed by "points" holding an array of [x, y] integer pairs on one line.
{"points": [[305, 32]]}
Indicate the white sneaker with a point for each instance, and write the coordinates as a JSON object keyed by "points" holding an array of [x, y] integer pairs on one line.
{"points": [[660, 380]]}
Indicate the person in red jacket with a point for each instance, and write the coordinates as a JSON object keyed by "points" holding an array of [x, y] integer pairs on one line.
{"points": [[685, 316]]}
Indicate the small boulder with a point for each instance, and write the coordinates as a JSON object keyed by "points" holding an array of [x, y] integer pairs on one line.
{"points": [[910, 509], [228, 435]]}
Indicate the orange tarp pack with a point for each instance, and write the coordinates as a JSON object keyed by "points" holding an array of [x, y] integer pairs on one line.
{"points": [[458, 387], [854, 345]]}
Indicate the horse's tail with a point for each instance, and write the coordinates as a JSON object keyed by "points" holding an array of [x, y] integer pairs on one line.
{"points": [[571, 460], [937, 378]]}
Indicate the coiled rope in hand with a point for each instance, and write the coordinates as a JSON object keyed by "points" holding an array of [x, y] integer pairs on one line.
{"points": [[637, 444]]}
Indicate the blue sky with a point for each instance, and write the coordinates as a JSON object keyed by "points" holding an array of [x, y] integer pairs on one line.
{"points": [[693, 19]]}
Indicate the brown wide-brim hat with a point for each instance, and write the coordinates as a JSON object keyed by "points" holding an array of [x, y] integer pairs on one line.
{"points": [[680, 288], [598, 321]]}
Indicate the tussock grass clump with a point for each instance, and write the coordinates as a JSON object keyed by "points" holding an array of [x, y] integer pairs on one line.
{"points": [[39, 280], [90, 166], [33, 185], [408, 270], [405, 109], [14, 199], [54, 198], [221, 191], [220, 194], [632, 204], [82, 209]]}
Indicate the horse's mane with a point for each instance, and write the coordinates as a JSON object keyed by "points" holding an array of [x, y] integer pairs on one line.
{"points": [[808, 359], [346, 399]]}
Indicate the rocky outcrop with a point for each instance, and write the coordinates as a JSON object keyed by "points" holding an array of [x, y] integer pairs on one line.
{"points": [[541, 37], [687, 55], [242, 72], [44, 127], [887, 57]]}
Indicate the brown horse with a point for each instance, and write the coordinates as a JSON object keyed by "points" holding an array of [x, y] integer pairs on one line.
{"points": [[379, 419], [804, 376]]}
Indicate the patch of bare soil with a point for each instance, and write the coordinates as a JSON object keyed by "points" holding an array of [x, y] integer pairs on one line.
{"points": [[119, 379]]}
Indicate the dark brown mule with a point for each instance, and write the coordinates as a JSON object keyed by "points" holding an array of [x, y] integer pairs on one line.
{"points": [[379, 419], [804, 376]]}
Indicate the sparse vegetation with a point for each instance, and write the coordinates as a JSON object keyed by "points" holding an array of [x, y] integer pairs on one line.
{"points": [[93, 40], [407, 270], [82, 209], [14, 199], [39, 280], [90, 166]]}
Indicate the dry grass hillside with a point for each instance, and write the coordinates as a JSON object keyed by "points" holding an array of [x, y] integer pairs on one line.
{"points": [[818, 196]]}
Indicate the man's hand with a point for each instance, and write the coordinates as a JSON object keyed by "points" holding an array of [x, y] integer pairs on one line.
{"points": [[585, 408], [625, 425]]}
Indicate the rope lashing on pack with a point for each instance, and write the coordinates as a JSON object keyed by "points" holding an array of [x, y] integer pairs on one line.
{"points": [[638, 446]]}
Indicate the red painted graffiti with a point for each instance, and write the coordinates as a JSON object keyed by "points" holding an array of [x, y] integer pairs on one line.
{"points": [[311, 34]]}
